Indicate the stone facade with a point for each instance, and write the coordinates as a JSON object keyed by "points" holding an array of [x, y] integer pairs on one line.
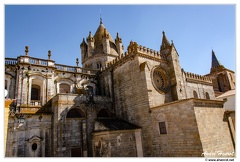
{"points": [[119, 104]]}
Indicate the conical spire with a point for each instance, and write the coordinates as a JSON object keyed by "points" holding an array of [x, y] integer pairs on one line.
{"points": [[100, 33], [165, 42], [215, 61]]}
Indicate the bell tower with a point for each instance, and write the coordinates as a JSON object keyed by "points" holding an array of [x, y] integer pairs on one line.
{"points": [[100, 48]]}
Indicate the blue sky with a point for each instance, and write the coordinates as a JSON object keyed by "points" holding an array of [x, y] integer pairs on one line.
{"points": [[194, 29]]}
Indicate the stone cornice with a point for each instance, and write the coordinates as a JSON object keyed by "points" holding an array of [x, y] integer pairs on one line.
{"points": [[195, 103]]}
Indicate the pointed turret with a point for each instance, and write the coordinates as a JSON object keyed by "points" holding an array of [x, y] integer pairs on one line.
{"points": [[215, 62], [90, 41], [119, 45], [90, 38], [83, 43], [165, 42], [83, 47]]}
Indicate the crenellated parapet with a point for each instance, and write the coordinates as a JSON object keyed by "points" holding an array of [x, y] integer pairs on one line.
{"points": [[195, 78], [133, 50]]}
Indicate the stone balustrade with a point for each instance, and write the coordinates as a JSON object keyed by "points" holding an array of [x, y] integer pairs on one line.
{"points": [[48, 63]]}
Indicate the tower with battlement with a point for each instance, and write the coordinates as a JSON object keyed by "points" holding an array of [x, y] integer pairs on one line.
{"points": [[100, 48]]}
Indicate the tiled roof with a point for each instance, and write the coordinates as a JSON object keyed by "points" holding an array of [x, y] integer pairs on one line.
{"points": [[215, 62], [117, 124], [228, 93]]}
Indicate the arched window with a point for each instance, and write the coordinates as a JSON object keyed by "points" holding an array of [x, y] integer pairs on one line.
{"points": [[220, 79], [35, 92], [195, 95], [104, 113], [75, 113], [64, 88], [99, 65], [207, 96], [223, 83]]}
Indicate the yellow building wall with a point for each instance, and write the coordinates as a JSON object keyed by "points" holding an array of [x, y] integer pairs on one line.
{"points": [[6, 114]]}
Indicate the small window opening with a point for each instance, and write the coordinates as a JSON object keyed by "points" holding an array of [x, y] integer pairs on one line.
{"points": [[34, 146], [195, 95], [162, 128], [207, 96]]}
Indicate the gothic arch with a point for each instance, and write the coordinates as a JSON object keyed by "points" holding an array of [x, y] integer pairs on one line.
{"points": [[223, 83], [195, 95], [207, 96]]}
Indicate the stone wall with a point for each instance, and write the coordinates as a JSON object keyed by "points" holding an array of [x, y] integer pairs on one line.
{"points": [[120, 143], [155, 97], [67, 133], [132, 97], [36, 130], [201, 90], [194, 127], [75, 133], [214, 132], [182, 137]]}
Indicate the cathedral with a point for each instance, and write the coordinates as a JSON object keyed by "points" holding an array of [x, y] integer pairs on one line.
{"points": [[134, 103]]}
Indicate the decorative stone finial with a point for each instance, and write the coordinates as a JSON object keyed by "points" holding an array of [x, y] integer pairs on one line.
{"points": [[26, 50], [49, 54], [77, 62], [132, 47], [118, 39]]}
